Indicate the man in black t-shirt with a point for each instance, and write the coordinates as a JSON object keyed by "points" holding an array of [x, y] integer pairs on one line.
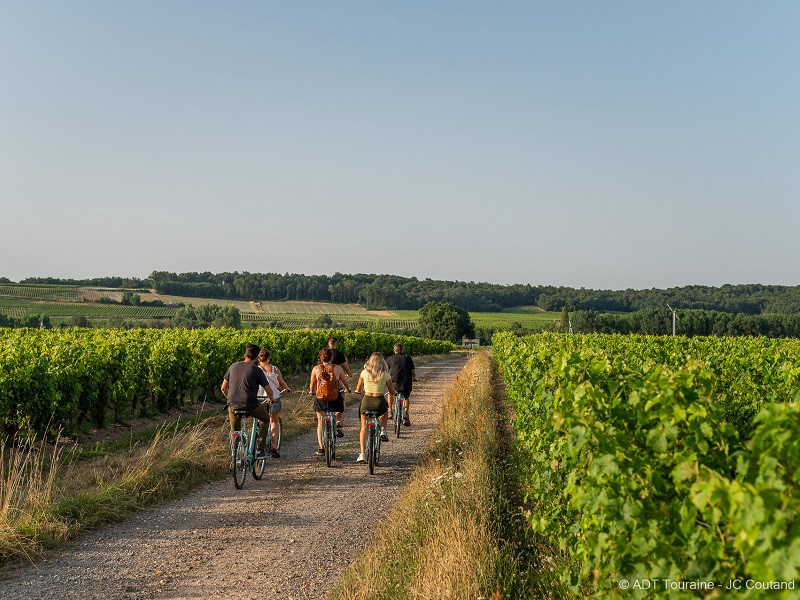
{"points": [[401, 368], [341, 360], [240, 388]]}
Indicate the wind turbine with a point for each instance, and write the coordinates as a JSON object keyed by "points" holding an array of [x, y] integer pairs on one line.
{"points": [[674, 318]]}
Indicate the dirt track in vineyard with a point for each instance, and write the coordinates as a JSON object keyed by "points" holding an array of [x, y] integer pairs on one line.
{"points": [[290, 535]]}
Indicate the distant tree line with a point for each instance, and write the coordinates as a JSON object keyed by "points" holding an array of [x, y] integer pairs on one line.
{"points": [[392, 291], [751, 299], [395, 292], [109, 282], [655, 321], [131, 299], [373, 291]]}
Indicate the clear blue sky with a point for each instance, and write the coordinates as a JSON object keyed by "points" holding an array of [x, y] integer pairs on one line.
{"points": [[598, 144]]}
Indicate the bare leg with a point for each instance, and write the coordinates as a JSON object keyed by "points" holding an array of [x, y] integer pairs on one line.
{"points": [[363, 436], [273, 419], [319, 428]]}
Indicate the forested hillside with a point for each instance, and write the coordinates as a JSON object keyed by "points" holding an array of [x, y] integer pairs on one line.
{"points": [[395, 292]]}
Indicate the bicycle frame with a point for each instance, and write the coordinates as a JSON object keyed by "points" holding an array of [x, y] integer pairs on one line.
{"points": [[249, 440], [373, 440], [239, 438], [398, 414], [329, 436]]}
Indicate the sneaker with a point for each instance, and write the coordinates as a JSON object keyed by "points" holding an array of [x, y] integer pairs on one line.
{"points": [[320, 452], [384, 437], [362, 458], [407, 423], [274, 453], [339, 432], [261, 454]]}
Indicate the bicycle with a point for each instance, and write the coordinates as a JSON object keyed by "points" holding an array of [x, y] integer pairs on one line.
{"points": [[329, 436], [398, 413], [243, 449], [373, 439]]}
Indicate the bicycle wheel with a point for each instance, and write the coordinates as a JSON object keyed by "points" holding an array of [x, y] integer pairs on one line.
{"points": [[378, 444], [280, 428], [328, 442], [333, 438], [371, 451], [260, 464], [398, 416], [239, 463]]}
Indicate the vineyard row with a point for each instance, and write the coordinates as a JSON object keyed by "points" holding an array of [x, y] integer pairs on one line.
{"points": [[636, 460], [61, 378]]}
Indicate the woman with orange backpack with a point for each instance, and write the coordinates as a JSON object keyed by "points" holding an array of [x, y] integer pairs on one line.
{"points": [[324, 386]]}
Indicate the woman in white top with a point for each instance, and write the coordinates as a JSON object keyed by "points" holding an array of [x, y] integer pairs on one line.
{"points": [[276, 384]]}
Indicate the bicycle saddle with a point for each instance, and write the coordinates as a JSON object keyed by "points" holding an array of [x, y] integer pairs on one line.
{"points": [[242, 412]]}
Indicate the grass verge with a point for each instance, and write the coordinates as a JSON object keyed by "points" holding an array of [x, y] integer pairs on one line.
{"points": [[49, 496], [459, 532]]}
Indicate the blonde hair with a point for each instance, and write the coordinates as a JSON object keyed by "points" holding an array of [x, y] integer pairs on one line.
{"points": [[376, 366]]}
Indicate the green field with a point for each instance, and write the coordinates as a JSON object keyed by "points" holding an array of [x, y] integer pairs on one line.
{"points": [[20, 308], [528, 317], [61, 302]]}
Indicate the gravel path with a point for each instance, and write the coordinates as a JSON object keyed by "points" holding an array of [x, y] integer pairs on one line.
{"points": [[312, 521]]}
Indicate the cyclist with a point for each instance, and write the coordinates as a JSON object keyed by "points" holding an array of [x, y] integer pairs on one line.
{"points": [[374, 381], [276, 384], [401, 368], [323, 376], [240, 388], [339, 359]]}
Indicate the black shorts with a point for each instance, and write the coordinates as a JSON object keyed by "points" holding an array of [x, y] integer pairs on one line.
{"points": [[321, 406], [406, 394]]}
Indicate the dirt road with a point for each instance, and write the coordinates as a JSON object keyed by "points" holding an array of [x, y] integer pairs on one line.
{"points": [[288, 536]]}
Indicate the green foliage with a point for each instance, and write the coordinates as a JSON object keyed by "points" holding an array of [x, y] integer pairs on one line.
{"points": [[129, 298], [79, 321], [564, 324], [691, 322], [445, 321], [207, 315], [632, 464], [62, 378], [322, 322]]}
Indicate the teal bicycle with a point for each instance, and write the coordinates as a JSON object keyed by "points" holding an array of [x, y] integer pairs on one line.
{"points": [[398, 414], [373, 440], [243, 449], [329, 436]]}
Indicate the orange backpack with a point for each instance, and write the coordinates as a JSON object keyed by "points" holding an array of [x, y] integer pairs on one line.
{"points": [[327, 385]]}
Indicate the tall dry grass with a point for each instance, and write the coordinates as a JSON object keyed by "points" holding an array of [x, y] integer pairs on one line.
{"points": [[461, 533], [28, 474], [445, 542], [46, 497]]}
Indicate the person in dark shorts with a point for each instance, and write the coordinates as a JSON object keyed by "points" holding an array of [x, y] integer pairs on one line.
{"points": [[339, 359], [374, 381], [401, 368], [321, 407], [240, 388]]}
